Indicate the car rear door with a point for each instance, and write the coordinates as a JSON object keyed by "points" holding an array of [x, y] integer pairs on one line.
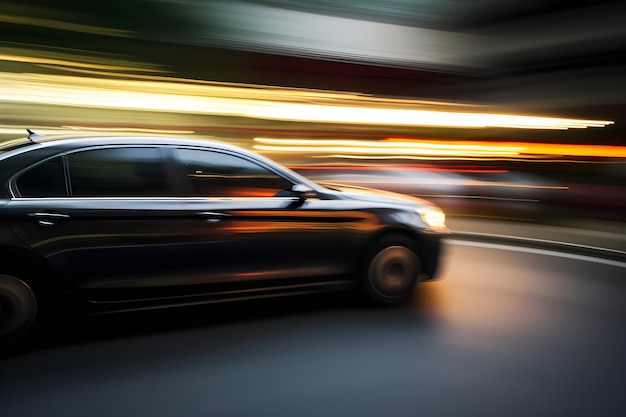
{"points": [[105, 218]]}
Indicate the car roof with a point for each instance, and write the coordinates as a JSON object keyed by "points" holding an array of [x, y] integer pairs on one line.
{"points": [[65, 143], [68, 142]]}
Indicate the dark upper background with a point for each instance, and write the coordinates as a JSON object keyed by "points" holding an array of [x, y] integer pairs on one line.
{"points": [[560, 57], [543, 57]]}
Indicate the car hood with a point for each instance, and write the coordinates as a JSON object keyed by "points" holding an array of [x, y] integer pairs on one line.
{"points": [[370, 194]]}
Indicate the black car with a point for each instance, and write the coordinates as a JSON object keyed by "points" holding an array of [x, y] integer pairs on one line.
{"points": [[126, 223]]}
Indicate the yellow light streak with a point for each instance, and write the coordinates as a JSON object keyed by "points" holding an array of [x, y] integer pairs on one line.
{"points": [[255, 102], [401, 117], [69, 63], [402, 157], [131, 129], [73, 130], [39, 130], [56, 24]]}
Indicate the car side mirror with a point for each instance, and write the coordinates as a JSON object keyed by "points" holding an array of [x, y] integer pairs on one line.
{"points": [[303, 191]]}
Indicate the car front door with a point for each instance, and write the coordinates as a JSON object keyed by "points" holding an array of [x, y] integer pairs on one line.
{"points": [[250, 227]]}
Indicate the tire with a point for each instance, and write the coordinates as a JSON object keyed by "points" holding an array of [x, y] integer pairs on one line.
{"points": [[392, 270], [18, 310]]}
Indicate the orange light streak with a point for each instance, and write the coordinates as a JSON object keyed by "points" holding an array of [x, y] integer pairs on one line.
{"points": [[424, 148]]}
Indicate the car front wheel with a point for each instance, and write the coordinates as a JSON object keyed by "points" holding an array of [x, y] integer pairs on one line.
{"points": [[392, 270]]}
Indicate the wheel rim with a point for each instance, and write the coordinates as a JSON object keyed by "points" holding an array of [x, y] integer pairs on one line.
{"points": [[393, 271], [18, 306]]}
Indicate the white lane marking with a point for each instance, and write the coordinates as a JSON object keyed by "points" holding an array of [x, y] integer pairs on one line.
{"points": [[552, 242], [538, 252]]}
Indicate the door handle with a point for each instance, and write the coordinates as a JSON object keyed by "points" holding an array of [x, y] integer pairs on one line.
{"points": [[212, 216], [48, 218], [48, 215]]}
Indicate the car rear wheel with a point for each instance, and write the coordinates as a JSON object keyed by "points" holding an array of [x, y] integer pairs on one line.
{"points": [[18, 308], [392, 270]]}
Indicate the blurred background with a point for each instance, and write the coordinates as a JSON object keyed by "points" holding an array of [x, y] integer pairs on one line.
{"points": [[490, 108], [509, 114]]}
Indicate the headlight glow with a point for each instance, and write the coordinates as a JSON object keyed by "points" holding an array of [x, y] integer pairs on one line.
{"points": [[433, 217]]}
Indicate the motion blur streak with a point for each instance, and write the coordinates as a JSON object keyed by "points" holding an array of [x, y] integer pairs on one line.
{"points": [[72, 130], [125, 129], [425, 147], [245, 25], [56, 24], [69, 63], [337, 114], [254, 102]]}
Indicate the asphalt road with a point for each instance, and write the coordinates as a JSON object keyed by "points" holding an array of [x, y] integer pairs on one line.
{"points": [[506, 332]]}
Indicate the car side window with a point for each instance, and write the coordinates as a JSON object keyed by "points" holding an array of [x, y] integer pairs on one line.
{"points": [[118, 172], [46, 179], [216, 174]]}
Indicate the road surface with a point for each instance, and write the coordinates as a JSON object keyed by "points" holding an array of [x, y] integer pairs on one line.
{"points": [[506, 332]]}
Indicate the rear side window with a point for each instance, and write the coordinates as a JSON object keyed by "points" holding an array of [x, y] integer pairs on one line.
{"points": [[118, 172], [43, 180]]}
